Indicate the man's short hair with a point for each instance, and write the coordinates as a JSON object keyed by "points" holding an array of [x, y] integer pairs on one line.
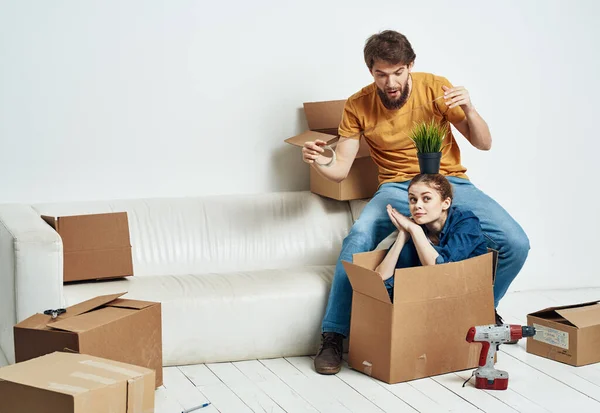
{"points": [[389, 46]]}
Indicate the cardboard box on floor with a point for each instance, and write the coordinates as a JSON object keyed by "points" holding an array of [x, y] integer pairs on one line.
{"points": [[323, 121], [128, 331], [95, 246], [75, 383], [423, 332], [569, 334]]}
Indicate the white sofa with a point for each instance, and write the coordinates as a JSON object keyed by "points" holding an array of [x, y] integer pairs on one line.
{"points": [[239, 277]]}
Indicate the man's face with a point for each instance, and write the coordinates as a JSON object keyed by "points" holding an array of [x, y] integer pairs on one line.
{"points": [[392, 83]]}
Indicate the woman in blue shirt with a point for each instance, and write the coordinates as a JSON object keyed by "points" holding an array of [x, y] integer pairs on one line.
{"points": [[437, 233]]}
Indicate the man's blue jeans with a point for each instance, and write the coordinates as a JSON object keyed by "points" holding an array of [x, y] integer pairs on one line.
{"points": [[501, 231]]}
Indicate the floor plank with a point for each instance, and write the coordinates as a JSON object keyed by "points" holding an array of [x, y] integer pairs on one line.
{"points": [[215, 390], [443, 396], [251, 394], [316, 392], [358, 400], [163, 402], [386, 396], [422, 402], [289, 400], [178, 386], [200, 375]]}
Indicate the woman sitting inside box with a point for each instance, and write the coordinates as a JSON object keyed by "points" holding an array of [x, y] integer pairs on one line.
{"points": [[437, 233]]}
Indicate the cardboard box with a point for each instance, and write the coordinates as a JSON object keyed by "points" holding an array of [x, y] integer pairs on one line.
{"points": [[423, 332], [95, 246], [128, 331], [75, 383], [323, 121], [569, 334]]}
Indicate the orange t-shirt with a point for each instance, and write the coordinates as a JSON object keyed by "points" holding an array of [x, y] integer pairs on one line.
{"points": [[387, 131]]}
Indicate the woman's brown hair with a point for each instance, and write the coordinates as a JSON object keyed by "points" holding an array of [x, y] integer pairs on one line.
{"points": [[435, 181]]}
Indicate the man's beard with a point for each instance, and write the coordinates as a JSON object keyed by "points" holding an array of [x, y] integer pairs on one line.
{"points": [[397, 103]]}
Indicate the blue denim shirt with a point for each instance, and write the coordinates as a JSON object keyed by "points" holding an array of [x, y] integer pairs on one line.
{"points": [[461, 238]]}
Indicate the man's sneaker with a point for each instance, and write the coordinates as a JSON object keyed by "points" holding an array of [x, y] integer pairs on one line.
{"points": [[499, 322], [329, 357]]}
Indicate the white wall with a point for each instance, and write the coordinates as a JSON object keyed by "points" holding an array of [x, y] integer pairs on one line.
{"points": [[122, 99]]}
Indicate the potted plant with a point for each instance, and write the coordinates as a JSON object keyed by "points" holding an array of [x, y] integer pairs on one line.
{"points": [[428, 138]]}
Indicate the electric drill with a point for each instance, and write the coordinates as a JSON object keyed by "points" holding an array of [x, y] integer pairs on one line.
{"points": [[491, 336]]}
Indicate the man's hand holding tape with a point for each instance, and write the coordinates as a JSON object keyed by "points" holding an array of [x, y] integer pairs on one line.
{"points": [[335, 169]]}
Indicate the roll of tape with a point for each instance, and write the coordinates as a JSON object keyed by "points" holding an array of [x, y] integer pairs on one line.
{"points": [[333, 157]]}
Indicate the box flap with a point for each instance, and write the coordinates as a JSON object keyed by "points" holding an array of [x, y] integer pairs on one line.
{"points": [[586, 316], [494, 262], [369, 260], [540, 313], [91, 320], [366, 282], [52, 221], [435, 282], [35, 322], [310, 136], [324, 115], [89, 305], [132, 304]]}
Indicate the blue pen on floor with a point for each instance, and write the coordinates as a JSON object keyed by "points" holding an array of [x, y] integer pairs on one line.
{"points": [[196, 408]]}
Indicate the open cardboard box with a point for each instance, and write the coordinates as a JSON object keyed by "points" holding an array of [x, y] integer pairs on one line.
{"points": [[95, 246], [569, 334], [75, 383], [128, 331], [423, 332], [323, 121]]}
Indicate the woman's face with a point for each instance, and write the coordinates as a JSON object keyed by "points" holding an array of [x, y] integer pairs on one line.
{"points": [[426, 204]]}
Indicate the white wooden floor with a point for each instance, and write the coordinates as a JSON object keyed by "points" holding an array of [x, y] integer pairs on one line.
{"points": [[291, 385]]}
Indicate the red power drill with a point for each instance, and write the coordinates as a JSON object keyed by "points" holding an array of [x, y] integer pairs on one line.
{"points": [[491, 336]]}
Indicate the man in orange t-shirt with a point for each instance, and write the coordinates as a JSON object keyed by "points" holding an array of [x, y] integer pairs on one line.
{"points": [[383, 114]]}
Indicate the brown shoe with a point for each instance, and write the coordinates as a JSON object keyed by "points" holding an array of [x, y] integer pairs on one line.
{"points": [[329, 357], [499, 322]]}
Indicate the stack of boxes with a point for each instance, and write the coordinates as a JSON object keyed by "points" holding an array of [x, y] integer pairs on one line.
{"points": [[104, 354]]}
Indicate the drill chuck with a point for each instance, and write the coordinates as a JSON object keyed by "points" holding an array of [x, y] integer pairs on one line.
{"points": [[528, 331]]}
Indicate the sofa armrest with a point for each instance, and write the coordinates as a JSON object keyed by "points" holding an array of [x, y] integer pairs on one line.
{"points": [[31, 269]]}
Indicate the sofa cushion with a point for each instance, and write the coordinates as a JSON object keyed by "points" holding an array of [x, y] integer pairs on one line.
{"points": [[226, 317]]}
